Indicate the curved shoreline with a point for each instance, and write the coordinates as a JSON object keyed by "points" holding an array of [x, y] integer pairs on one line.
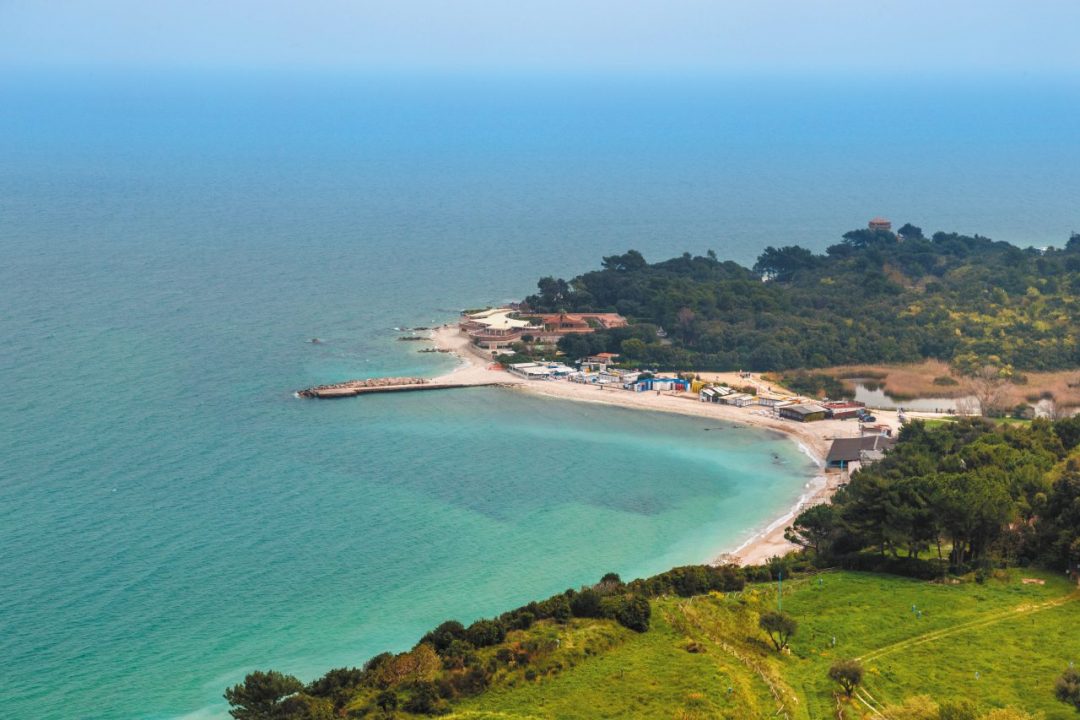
{"points": [[813, 438]]}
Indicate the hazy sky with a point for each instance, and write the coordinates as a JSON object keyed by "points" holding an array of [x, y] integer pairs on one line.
{"points": [[898, 36]]}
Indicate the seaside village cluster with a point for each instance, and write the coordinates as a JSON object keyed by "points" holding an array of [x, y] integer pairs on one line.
{"points": [[495, 330]]}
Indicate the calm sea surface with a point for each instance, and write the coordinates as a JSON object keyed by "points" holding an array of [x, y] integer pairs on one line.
{"points": [[171, 517]]}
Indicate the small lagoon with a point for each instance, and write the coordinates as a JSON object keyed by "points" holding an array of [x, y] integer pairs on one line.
{"points": [[875, 396]]}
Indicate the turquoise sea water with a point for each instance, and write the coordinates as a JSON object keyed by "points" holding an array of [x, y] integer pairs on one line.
{"points": [[171, 517]]}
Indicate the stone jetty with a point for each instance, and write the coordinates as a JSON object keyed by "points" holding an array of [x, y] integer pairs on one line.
{"points": [[355, 387], [351, 388]]}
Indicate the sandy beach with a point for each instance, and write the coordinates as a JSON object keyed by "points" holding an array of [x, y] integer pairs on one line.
{"points": [[813, 438]]}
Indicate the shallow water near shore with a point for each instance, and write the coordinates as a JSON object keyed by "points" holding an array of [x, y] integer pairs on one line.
{"points": [[171, 517]]}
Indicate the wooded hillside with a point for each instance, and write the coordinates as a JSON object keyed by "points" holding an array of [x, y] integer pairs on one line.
{"points": [[875, 297]]}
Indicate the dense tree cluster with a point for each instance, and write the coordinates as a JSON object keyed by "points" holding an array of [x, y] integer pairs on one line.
{"points": [[875, 298], [968, 493], [691, 580]]}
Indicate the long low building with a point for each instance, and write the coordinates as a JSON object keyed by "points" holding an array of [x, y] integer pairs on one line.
{"points": [[539, 371], [660, 384], [572, 323], [803, 412], [845, 409], [865, 449]]}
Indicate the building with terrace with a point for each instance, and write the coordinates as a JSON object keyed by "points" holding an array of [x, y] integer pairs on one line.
{"points": [[496, 328]]}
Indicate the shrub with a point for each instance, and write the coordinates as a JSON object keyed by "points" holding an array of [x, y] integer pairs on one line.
{"points": [[634, 612], [484, 633], [958, 710], [557, 608], [587, 604], [306, 707], [848, 673], [472, 682], [757, 573], [919, 707], [421, 663], [425, 700], [338, 685], [1023, 411], [522, 620], [441, 637], [1007, 714], [611, 579], [387, 701], [458, 655], [1067, 688]]}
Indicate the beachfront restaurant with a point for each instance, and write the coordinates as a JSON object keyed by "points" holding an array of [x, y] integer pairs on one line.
{"points": [[495, 329], [540, 371], [530, 371], [805, 412]]}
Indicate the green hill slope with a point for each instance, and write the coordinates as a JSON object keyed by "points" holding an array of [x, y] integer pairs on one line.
{"points": [[997, 644]]}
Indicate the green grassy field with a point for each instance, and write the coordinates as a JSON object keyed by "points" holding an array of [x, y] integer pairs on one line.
{"points": [[705, 657]]}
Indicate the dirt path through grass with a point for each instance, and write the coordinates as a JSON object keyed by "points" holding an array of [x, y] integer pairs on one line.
{"points": [[780, 691], [981, 622]]}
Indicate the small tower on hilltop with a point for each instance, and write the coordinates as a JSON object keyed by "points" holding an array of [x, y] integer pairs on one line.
{"points": [[880, 223]]}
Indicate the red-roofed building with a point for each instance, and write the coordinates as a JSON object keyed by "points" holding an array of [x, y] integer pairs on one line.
{"points": [[842, 410], [556, 325]]}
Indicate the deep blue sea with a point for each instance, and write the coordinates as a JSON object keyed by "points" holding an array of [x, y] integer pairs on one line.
{"points": [[171, 517]]}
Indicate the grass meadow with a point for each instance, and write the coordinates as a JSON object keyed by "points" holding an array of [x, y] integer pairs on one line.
{"points": [[1001, 643]]}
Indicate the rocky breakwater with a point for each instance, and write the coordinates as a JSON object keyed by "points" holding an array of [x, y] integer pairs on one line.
{"points": [[350, 388]]}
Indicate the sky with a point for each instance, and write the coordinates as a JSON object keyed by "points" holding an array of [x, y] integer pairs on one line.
{"points": [[744, 36]]}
